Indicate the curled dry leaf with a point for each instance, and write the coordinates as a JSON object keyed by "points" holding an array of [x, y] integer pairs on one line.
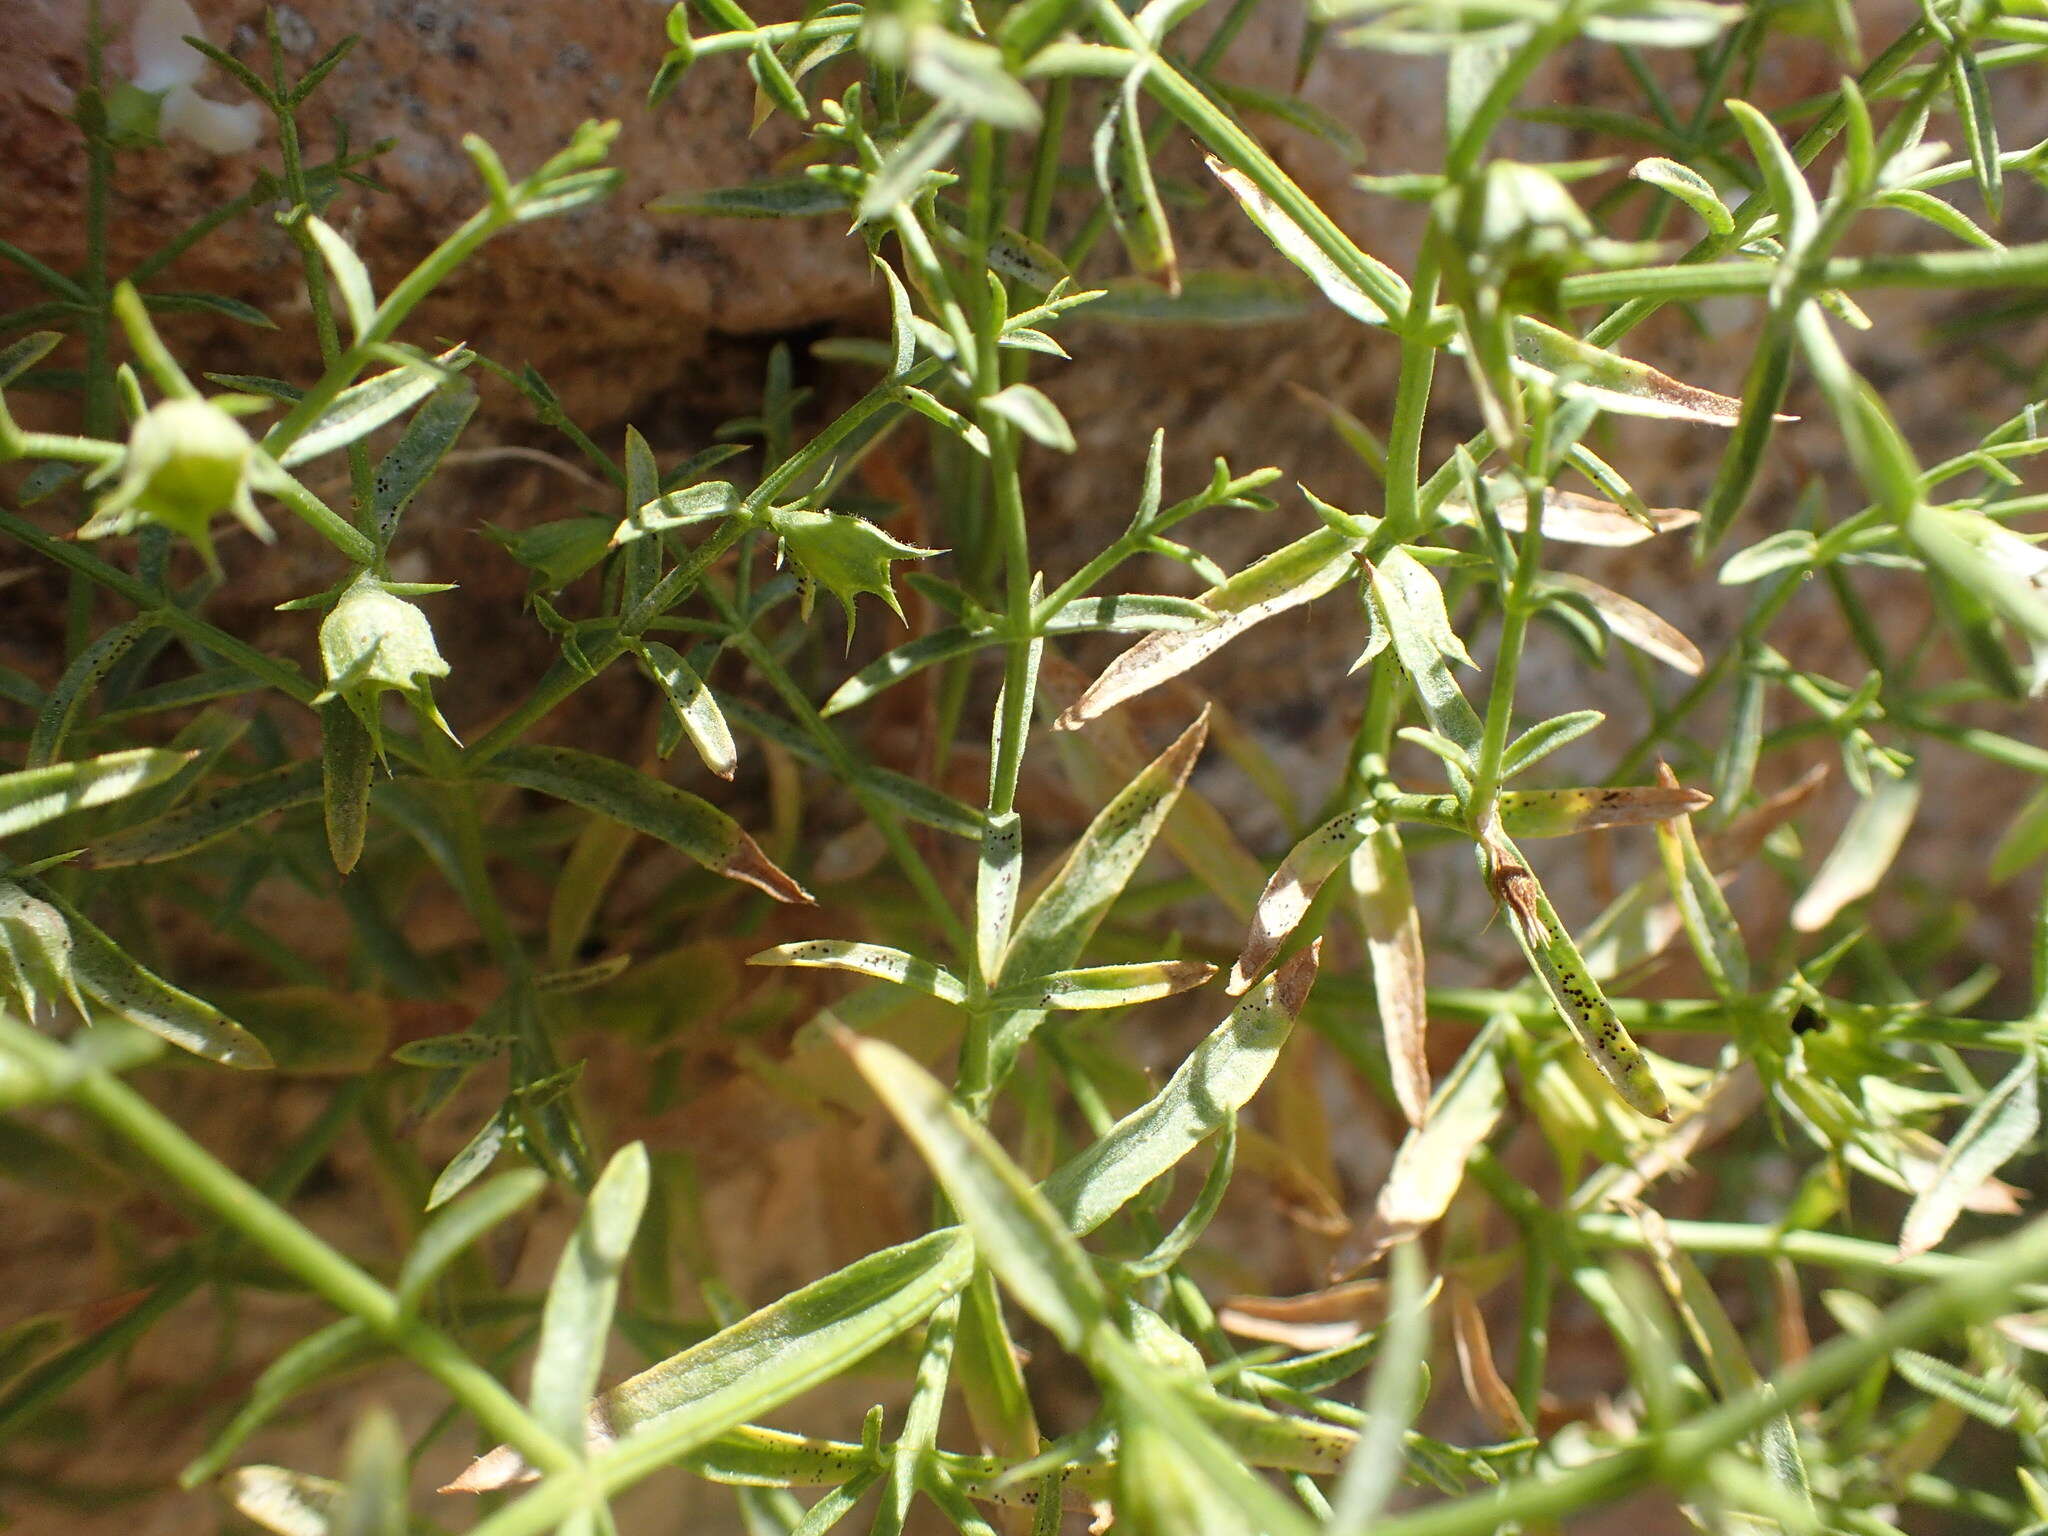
{"points": [[1317, 1320], [1628, 620], [1393, 942], [1476, 1367], [1430, 1164]]}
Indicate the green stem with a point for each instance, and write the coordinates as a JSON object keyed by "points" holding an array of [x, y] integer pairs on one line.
{"points": [[244, 1208]]}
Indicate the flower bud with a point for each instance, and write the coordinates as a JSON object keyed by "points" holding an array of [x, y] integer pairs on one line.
{"points": [[845, 555], [373, 641], [186, 461]]}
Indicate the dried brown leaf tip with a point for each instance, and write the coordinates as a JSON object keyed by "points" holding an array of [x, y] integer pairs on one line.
{"points": [[747, 862]]}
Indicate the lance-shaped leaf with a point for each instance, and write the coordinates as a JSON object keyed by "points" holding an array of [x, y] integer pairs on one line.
{"points": [[1098, 760], [1544, 738], [696, 710], [633, 799], [415, 456], [1106, 986], [316, 1358], [1562, 812], [456, 1227], [1689, 187], [1430, 1164], [1393, 943], [362, 408], [576, 1318], [1123, 170], [678, 509], [1709, 923], [348, 754], [1218, 1078], [1293, 242], [1628, 620], [1299, 573], [1574, 990], [1570, 518], [1017, 1232], [877, 960], [194, 826], [1060, 922], [36, 795], [1870, 840], [1425, 644], [907, 660], [2005, 571], [1615, 383], [764, 1360], [1489, 1393], [2003, 1125], [1294, 885], [1994, 1402], [108, 975]]}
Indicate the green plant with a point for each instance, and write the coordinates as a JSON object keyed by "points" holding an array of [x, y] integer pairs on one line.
{"points": [[139, 792]]}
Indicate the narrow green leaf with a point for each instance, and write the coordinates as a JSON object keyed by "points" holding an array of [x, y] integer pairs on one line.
{"points": [[1869, 841], [1028, 409], [459, 1225], [1544, 738], [347, 758], [316, 1358], [1106, 986], [64, 700], [1286, 898], [373, 1499], [788, 197], [1994, 1402], [2001, 1126], [696, 710], [351, 277], [576, 1318], [646, 804], [469, 1164], [1709, 924], [109, 976], [1424, 642], [1217, 1079], [763, 1361], [1296, 574], [1065, 915], [907, 660], [1017, 1233], [415, 456], [877, 960], [195, 825], [1689, 187], [362, 408], [36, 795], [1574, 991], [1293, 242]]}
